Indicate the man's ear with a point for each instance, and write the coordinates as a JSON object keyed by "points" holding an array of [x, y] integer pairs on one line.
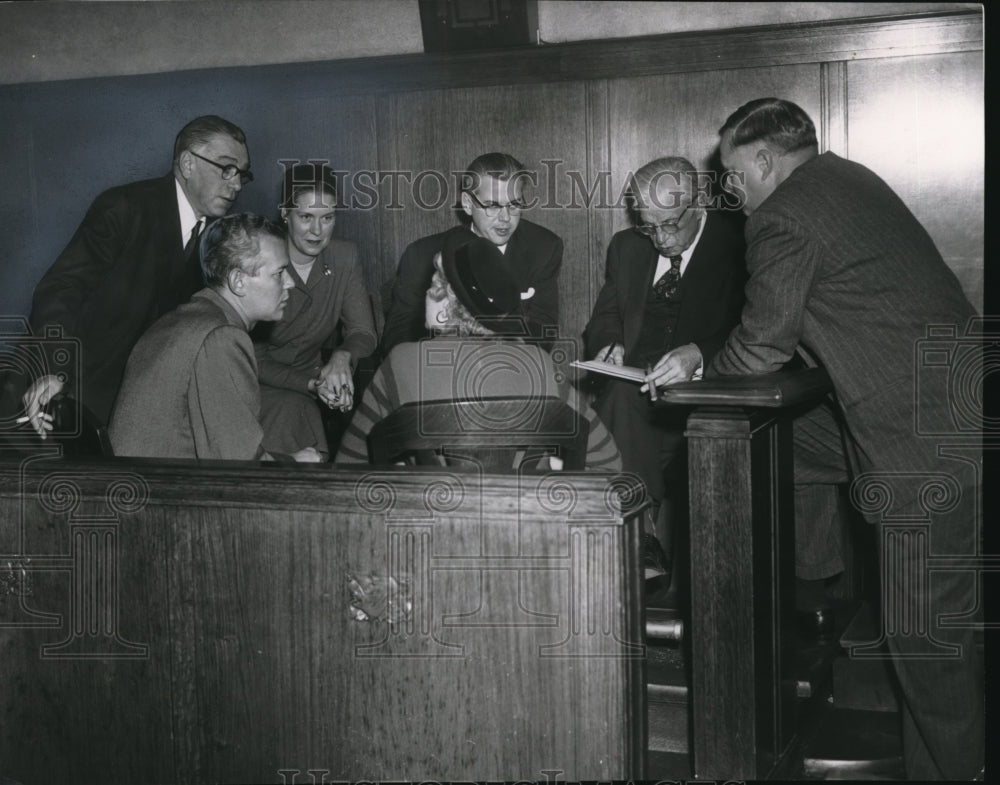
{"points": [[466, 203], [764, 161], [185, 162], [236, 281]]}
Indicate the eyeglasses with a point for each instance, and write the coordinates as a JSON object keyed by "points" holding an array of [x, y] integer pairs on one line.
{"points": [[669, 227], [229, 171], [492, 209]]}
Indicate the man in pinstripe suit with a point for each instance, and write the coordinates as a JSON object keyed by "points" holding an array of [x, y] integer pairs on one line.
{"points": [[840, 266]]}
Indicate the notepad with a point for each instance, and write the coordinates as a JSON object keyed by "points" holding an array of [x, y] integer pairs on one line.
{"points": [[610, 369]]}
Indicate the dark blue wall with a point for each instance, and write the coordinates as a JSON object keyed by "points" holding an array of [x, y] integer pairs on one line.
{"points": [[62, 143]]}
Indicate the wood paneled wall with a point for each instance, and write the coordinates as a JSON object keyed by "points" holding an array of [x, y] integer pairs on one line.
{"points": [[903, 96], [188, 623]]}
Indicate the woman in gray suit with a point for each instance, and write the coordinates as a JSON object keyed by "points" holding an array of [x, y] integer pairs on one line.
{"points": [[329, 291]]}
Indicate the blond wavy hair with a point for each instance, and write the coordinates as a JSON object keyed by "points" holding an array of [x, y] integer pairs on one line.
{"points": [[456, 317]]}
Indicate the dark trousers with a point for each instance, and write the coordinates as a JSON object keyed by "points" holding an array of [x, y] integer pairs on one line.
{"points": [[820, 468], [651, 442], [925, 507]]}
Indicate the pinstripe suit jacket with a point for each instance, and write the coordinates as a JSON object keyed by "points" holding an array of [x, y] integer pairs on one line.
{"points": [[838, 263]]}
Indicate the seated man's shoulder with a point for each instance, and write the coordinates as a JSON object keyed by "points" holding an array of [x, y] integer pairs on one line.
{"points": [[430, 244], [538, 235], [202, 316], [226, 341]]}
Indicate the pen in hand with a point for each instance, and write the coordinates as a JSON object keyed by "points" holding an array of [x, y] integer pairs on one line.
{"points": [[607, 354]]}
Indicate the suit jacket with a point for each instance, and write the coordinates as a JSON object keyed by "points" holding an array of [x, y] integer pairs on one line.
{"points": [[533, 253], [123, 269], [190, 388], [838, 263], [289, 351], [712, 286]]}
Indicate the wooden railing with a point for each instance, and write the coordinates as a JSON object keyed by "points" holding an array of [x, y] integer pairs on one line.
{"points": [[196, 618], [181, 622], [742, 570]]}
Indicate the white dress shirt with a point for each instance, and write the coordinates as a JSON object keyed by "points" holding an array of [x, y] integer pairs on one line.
{"points": [[188, 216], [663, 263]]}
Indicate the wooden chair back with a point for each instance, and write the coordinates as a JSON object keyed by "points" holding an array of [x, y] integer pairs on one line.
{"points": [[500, 434]]}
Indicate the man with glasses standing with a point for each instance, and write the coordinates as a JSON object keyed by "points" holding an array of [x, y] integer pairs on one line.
{"points": [[673, 290], [133, 259], [493, 197]]}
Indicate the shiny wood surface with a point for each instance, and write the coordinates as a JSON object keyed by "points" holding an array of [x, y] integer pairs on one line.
{"points": [[223, 650], [771, 390], [841, 40], [742, 572]]}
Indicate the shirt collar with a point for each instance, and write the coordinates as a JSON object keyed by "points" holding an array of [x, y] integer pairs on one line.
{"points": [[503, 248], [187, 214]]}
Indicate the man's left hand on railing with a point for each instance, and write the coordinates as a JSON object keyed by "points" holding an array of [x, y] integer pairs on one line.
{"points": [[682, 364]]}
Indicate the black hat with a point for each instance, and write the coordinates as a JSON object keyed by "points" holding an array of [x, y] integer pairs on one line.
{"points": [[482, 282]]}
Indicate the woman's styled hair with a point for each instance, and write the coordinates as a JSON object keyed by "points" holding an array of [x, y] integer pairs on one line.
{"points": [[305, 178]]}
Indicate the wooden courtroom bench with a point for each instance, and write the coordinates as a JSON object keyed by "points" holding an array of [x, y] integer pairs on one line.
{"points": [[169, 621]]}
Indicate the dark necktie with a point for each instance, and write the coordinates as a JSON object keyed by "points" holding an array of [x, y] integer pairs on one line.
{"points": [[666, 286], [192, 244]]}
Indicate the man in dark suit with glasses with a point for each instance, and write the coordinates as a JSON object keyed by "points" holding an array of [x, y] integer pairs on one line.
{"points": [[492, 196], [133, 259], [673, 290]]}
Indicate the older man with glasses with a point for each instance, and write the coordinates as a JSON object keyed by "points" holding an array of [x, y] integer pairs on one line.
{"points": [[133, 259], [673, 290], [492, 196]]}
